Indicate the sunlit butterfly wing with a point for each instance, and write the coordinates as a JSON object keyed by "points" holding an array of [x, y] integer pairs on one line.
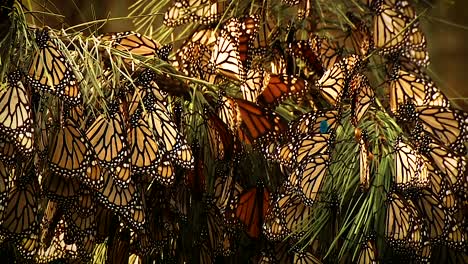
{"points": [[407, 86], [58, 248], [408, 164], [160, 121], [402, 219], [256, 81], [225, 58], [16, 114], [312, 145], [450, 165], [280, 87], [326, 50], [389, 25], [144, 150], [448, 126], [50, 72], [309, 176], [294, 212], [137, 44], [364, 162]]}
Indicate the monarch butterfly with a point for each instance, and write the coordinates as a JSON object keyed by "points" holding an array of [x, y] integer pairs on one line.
{"points": [[294, 212], [227, 245], [249, 121], [105, 222], [79, 225], [333, 82], [305, 257], [255, 83], [362, 97], [94, 177], [440, 185], [410, 166], [308, 177], [326, 50], [415, 49], [446, 125], [280, 87], [368, 253], [248, 28], [436, 216], [194, 56], [137, 44], [283, 153], [389, 28], [276, 253], [159, 120], [358, 38], [52, 215], [415, 46], [107, 136], [312, 145], [165, 172], [144, 150], [407, 86], [50, 72], [70, 153], [59, 188], [402, 221], [15, 113], [449, 164], [19, 215], [252, 208], [225, 59], [204, 12], [303, 49], [274, 227], [124, 201]]}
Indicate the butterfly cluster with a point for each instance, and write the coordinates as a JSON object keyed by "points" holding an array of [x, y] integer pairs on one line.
{"points": [[237, 141]]}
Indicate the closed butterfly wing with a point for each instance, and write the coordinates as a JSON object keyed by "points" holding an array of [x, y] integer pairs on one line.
{"points": [[16, 113], [70, 152], [50, 72]]}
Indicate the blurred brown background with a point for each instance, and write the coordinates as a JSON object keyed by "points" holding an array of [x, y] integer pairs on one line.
{"points": [[447, 31], [445, 23]]}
